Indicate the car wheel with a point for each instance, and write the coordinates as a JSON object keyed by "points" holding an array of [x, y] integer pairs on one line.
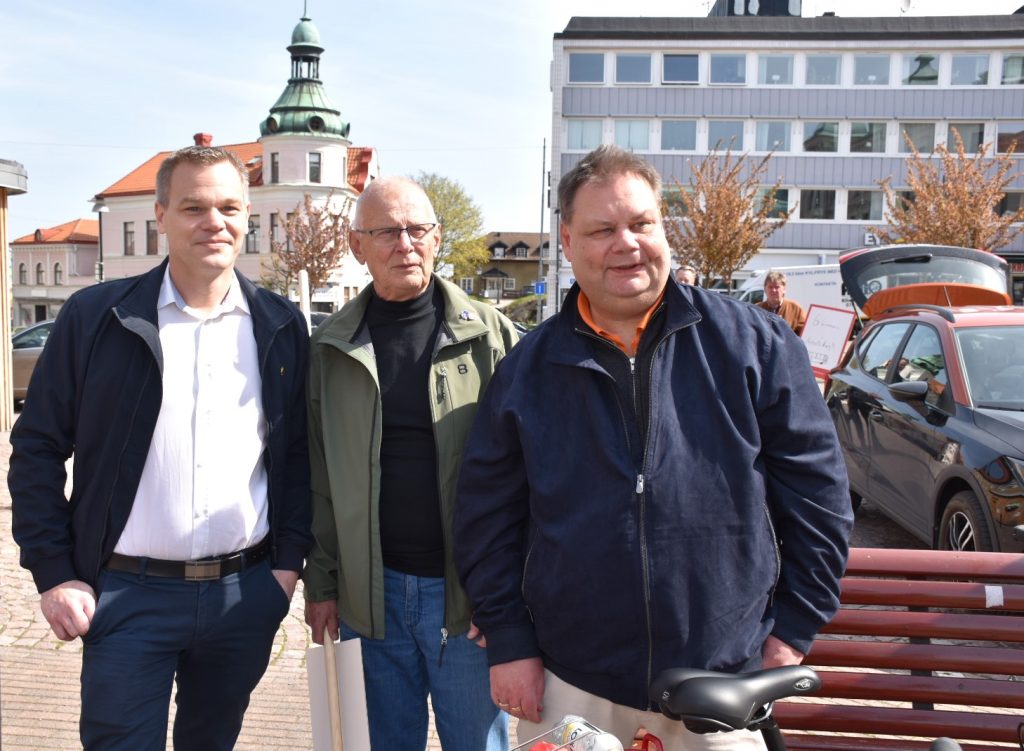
{"points": [[963, 525]]}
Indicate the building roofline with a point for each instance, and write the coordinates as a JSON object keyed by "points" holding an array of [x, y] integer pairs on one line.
{"points": [[825, 28]]}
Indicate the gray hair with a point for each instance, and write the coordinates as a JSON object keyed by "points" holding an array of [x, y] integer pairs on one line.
{"points": [[600, 164], [384, 185], [203, 156]]}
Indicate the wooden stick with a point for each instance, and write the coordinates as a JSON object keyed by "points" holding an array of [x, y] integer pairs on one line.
{"points": [[333, 696]]}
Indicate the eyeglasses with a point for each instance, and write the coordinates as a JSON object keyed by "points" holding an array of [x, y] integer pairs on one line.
{"points": [[391, 235]]}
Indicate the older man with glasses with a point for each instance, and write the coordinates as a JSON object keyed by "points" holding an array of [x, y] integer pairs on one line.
{"points": [[394, 384]]}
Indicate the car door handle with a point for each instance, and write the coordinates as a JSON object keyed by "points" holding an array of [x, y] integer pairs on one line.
{"points": [[876, 415]]}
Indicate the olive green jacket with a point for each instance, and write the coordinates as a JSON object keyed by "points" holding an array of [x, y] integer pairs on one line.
{"points": [[344, 446]]}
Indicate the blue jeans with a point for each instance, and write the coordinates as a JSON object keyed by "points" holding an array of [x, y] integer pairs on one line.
{"points": [[408, 664], [213, 637]]}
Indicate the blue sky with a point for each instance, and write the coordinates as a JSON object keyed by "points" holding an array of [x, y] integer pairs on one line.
{"points": [[90, 90]]}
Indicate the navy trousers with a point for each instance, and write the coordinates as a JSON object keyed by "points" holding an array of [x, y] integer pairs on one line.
{"points": [[213, 638]]}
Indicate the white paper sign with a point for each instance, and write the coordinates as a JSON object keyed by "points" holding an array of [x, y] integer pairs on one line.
{"points": [[355, 730]]}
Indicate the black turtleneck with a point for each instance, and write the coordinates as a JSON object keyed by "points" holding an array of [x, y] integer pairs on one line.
{"points": [[403, 336]]}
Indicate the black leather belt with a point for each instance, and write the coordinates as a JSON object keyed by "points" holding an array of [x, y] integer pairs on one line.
{"points": [[204, 569]]}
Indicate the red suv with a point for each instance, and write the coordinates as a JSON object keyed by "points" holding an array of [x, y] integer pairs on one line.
{"points": [[929, 404]]}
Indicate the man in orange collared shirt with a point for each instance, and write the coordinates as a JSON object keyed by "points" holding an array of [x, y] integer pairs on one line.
{"points": [[652, 481]]}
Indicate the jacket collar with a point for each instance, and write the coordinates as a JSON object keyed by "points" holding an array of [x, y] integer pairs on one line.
{"points": [[573, 337], [460, 317]]}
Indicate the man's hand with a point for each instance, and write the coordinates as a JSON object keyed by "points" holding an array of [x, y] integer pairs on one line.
{"points": [[518, 687], [321, 615], [476, 636], [287, 579], [776, 653], [68, 608]]}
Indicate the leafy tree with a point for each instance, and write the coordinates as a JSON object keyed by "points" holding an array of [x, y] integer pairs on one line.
{"points": [[722, 219], [463, 240], [955, 199], [317, 240]]}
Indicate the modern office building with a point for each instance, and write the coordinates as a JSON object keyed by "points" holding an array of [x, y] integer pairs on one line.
{"points": [[834, 98]]}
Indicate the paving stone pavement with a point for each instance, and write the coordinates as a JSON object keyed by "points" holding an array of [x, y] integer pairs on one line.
{"points": [[39, 701]]}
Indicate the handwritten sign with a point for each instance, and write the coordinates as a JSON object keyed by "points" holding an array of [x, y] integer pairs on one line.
{"points": [[825, 335]]}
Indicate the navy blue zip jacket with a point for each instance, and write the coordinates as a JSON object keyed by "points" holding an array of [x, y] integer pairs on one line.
{"points": [[96, 393], [613, 561]]}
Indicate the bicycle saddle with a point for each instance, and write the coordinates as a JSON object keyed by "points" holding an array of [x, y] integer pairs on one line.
{"points": [[710, 702]]}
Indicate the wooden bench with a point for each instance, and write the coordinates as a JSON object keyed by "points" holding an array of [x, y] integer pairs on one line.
{"points": [[926, 644]]}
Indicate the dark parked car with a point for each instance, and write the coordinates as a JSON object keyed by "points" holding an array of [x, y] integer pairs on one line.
{"points": [[929, 404], [26, 347]]}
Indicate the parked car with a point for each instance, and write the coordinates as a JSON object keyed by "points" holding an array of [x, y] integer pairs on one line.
{"points": [[26, 347], [929, 403]]}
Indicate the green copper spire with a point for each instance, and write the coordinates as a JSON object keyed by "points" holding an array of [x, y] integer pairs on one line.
{"points": [[303, 107]]}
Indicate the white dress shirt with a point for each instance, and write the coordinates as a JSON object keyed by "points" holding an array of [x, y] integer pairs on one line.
{"points": [[203, 489]]}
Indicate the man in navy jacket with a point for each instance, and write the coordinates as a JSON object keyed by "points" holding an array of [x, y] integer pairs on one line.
{"points": [[652, 481], [181, 395]]}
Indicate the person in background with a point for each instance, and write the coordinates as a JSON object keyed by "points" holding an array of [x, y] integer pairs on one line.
{"points": [[395, 379], [181, 394], [686, 275], [652, 481], [775, 302]]}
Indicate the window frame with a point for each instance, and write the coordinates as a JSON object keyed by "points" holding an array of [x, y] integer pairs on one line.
{"points": [[581, 121], [871, 205], [876, 127], [584, 82], [966, 56], [721, 56], [824, 56], [902, 146], [680, 82], [868, 57], [128, 238], [819, 123], [674, 121], [908, 59], [635, 55], [763, 72], [721, 144], [805, 203], [633, 123], [787, 126], [1003, 138]]}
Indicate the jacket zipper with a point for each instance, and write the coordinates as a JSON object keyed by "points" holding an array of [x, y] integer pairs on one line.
{"points": [[442, 392]]}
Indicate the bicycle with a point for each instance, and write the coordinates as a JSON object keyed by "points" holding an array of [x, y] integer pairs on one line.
{"points": [[711, 702]]}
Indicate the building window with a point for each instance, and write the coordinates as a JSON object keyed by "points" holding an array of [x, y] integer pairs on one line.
{"points": [[680, 69], [972, 135], [821, 136], [772, 136], [775, 70], [867, 138], [679, 135], [1010, 133], [58, 274], [969, 70], [129, 238], [498, 251], [725, 134], [1013, 70], [22, 274], [864, 205], [780, 204], [1011, 203], [40, 274], [584, 134], [509, 282], [921, 135], [252, 239], [632, 134], [275, 167], [728, 68], [314, 166], [823, 70], [586, 67], [632, 68], [288, 219], [522, 252], [151, 238], [871, 70], [921, 69], [275, 229], [466, 284], [817, 204]]}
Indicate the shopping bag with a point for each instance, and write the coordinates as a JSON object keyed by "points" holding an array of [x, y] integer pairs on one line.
{"points": [[345, 728]]}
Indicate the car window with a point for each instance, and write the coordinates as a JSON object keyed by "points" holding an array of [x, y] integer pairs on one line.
{"points": [[877, 353], [993, 358], [922, 360], [35, 337]]}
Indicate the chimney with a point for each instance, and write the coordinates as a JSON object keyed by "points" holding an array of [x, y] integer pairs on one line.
{"points": [[203, 139]]}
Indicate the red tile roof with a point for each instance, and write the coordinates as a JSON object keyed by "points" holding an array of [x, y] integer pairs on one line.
{"points": [[75, 231], [142, 180]]}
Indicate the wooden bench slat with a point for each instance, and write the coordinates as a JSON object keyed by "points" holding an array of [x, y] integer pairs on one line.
{"points": [[901, 656], [930, 594], [920, 688], [860, 622], [797, 742], [921, 563], [975, 726]]}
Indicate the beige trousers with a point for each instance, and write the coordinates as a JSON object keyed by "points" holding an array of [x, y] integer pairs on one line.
{"points": [[561, 699]]}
